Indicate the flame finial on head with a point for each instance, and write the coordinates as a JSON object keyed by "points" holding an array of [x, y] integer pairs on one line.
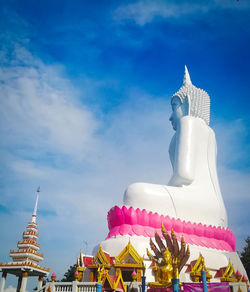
{"points": [[186, 79], [197, 99]]}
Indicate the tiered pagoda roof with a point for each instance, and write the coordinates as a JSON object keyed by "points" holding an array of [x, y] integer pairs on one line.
{"points": [[27, 257]]}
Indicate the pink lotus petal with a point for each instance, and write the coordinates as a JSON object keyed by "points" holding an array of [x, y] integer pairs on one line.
{"points": [[187, 238], [154, 220], [111, 218], [119, 218], [124, 229], [138, 230], [150, 231], [196, 239], [209, 232], [222, 245], [214, 231], [128, 216], [188, 228], [211, 243], [203, 241], [227, 236], [219, 233], [167, 223], [199, 230], [133, 216], [140, 217], [217, 244], [124, 209], [131, 231], [178, 226], [115, 231], [144, 232], [145, 217]]}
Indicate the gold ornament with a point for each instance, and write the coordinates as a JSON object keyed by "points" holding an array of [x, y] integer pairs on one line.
{"points": [[168, 260]]}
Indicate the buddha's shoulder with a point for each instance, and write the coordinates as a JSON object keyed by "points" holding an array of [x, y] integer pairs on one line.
{"points": [[195, 122]]}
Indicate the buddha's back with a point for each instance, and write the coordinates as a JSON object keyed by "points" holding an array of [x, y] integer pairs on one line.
{"points": [[194, 187]]}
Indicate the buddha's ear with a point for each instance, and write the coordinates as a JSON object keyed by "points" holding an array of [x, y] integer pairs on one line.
{"points": [[188, 101], [186, 106]]}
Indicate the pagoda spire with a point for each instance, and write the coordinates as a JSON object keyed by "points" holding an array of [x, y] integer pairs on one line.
{"points": [[35, 208], [25, 260], [186, 79]]}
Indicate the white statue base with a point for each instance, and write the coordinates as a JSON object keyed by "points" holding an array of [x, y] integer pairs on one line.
{"points": [[214, 259]]}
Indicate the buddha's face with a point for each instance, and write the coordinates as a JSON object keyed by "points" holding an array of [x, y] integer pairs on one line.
{"points": [[178, 112], [167, 257]]}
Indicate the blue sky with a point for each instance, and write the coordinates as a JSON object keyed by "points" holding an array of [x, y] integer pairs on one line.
{"points": [[85, 101]]}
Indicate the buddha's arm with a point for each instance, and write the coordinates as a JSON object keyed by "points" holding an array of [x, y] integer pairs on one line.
{"points": [[184, 162]]}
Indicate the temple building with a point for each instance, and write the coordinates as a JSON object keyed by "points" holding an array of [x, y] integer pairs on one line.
{"points": [[25, 260], [127, 266]]}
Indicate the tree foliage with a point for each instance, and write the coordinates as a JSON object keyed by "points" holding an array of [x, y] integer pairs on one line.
{"points": [[245, 256], [69, 276]]}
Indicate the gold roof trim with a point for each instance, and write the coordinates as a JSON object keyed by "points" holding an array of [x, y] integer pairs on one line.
{"points": [[129, 250], [101, 257], [197, 268], [229, 274]]}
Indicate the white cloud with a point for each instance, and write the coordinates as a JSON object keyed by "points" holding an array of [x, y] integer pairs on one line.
{"points": [[234, 176], [40, 109], [143, 12], [234, 136]]}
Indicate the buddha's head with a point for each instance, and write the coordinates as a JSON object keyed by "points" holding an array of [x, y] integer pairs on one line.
{"points": [[189, 101]]}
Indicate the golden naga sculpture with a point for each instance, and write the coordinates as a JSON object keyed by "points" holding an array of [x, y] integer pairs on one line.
{"points": [[168, 260]]}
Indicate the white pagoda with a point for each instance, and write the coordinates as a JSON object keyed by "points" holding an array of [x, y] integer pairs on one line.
{"points": [[25, 260]]}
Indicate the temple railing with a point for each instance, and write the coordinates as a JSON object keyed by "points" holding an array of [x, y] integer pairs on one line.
{"points": [[91, 286], [81, 286]]}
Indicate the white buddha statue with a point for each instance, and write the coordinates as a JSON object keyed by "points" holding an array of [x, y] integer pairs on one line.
{"points": [[191, 203], [193, 192]]}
